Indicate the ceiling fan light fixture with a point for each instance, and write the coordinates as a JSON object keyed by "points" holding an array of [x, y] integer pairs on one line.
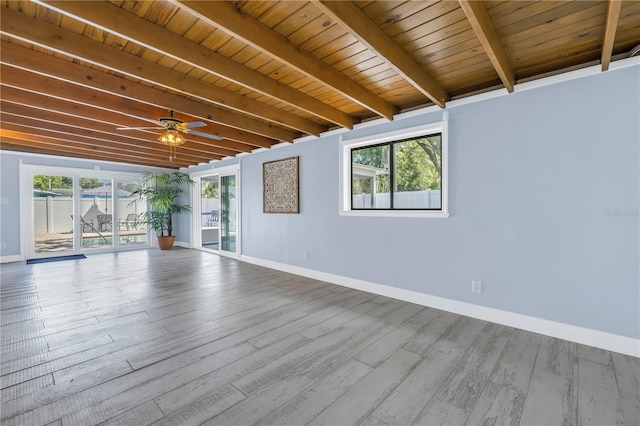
{"points": [[172, 138]]}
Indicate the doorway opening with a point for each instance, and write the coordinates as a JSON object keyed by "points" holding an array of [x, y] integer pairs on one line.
{"points": [[216, 210]]}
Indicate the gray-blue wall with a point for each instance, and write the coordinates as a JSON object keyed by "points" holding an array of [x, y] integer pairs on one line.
{"points": [[543, 193], [544, 200]]}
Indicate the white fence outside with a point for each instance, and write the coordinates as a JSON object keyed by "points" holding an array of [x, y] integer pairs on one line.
{"points": [[429, 199], [53, 214]]}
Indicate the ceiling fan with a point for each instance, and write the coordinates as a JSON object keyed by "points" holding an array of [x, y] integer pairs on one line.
{"points": [[173, 127]]}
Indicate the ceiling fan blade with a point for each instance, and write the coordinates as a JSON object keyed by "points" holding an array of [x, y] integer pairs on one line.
{"points": [[205, 135], [192, 124], [138, 128]]}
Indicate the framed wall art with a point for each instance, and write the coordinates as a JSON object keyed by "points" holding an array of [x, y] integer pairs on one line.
{"points": [[281, 186]]}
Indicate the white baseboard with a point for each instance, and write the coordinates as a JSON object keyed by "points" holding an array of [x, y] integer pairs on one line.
{"points": [[8, 259], [600, 339], [182, 244]]}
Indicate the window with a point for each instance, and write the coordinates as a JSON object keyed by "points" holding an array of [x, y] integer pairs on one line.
{"points": [[402, 173]]}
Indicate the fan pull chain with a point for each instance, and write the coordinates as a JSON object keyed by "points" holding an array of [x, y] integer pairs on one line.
{"points": [[172, 153]]}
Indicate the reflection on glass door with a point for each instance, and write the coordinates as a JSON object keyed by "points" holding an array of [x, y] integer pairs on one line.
{"points": [[228, 213], [131, 223], [52, 213], [96, 212], [210, 212]]}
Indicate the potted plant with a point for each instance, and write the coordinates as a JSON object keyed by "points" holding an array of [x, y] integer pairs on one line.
{"points": [[162, 192]]}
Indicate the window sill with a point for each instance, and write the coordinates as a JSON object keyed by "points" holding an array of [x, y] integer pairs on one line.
{"points": [[396, 213]]}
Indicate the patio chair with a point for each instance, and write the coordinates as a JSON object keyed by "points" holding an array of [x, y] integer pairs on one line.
{"points": [[104, 222], [213, 218], [88, 223], [131, 222], [142, 220]]}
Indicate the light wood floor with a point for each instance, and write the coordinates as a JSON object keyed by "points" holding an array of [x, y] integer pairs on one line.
{"points": [[185, 337]]}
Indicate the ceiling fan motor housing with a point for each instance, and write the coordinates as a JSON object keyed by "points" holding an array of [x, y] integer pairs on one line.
{"points": [[170, 123]]}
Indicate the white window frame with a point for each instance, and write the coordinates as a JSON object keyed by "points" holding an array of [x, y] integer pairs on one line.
{"points": [[346, 145]]}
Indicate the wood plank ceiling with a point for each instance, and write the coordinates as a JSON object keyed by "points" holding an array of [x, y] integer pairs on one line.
{"points": [[263, 72]]}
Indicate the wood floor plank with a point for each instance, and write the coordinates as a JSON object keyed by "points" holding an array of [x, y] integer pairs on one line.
{"points": [[220, 377], [142, 415], [318, 397], [551, 397], [339, 305], [49, 394], [130, 398], [146, 337], [456, 398], [379, 350], [26, 388], [598, 398], [363, 338], [261, 403], [627, 373], [203, 408], [408, 400], [363, 397], [57, 406], [12, 365], [548, 401], [502, 399]]}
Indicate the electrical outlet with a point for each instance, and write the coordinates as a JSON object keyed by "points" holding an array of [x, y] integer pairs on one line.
{"points": [[476, 286]]}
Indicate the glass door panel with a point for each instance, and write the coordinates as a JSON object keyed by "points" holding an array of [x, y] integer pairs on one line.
{"points": [[210, 212], [228, 214], [96, 210], [132, 228], [52, 213]]}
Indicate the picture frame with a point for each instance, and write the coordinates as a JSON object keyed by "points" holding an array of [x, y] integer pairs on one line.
{"points": [[281, 186]]}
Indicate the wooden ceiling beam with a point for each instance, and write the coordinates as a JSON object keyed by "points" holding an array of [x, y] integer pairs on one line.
{"points": [[92, 139], [42, 104], [24, 142], [47, 120], [611, 24], [93, 98], [52, 37], [93, 148], [60, 133], [129, 26], [352, 19], [46, 65], [483, 27], [225, 16]]}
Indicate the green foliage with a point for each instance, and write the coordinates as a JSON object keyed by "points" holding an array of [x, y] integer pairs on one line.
{"points": [[414, 169], [375, 156], [162, 191], [45, 182], [88, 183], [210, 189], [417, 165]]}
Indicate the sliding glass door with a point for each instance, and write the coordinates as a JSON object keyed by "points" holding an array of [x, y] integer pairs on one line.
{"points": [[74, 211], [216, 215], [51, 202], [228, 214], [96, 213], [210, 212]]}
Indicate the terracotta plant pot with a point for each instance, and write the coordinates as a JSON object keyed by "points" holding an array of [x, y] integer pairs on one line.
{"points": [[165, 243]]}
